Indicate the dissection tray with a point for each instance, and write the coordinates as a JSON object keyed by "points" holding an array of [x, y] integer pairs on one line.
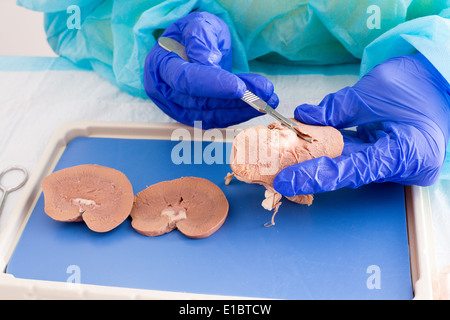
{"points": [[350, 244]]}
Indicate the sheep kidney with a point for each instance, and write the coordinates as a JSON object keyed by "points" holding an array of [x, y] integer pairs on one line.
{"points": [[196, 206], [259, 153], [102, 197]]}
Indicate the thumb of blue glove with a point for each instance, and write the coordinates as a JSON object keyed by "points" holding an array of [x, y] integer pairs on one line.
{"points": [[402, 112], [203, 89]]}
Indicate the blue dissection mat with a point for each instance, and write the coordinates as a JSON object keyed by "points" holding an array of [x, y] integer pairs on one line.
{"points": [[349, 244]]}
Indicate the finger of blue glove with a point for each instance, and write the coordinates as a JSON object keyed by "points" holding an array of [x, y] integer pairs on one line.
{"points": [[213, 112], [260, 86], [324, 174], [204, 104], [220, 118], [206, 38], [257, 84], [232, 113], [194, 79], [391, 152], [208, 41], [341, 109]]}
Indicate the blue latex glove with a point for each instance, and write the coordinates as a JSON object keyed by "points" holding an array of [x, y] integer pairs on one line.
{"points": [[204, 90], [402, 110]]}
